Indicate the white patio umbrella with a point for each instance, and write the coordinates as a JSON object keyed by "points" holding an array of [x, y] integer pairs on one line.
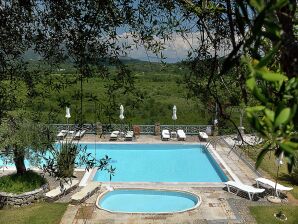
{"points": [[215, 122], [121, 116], [67, 115], [174, 116], [121, 113]]}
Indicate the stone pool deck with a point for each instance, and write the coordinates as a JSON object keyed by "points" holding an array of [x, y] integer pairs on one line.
{"points": [[218, 206]]}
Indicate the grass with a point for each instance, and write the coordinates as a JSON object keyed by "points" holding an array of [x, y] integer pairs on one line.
{"points": [[18, 184], [268, 165], [39, 213], [265, 214]]}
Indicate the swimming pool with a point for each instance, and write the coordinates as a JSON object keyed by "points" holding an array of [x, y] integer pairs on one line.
{"points": [[158, 163], [147, 201], [155, 163]]}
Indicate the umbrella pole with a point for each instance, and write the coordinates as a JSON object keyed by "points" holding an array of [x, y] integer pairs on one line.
{"points": [[174, 125], [67, 124], [276, 180]]}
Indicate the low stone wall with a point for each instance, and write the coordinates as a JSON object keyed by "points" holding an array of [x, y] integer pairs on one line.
{"points": [[18, 200]]}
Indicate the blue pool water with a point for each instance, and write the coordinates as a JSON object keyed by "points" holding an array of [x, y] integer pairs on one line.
{"points": [[159, 163], [155, 163], [149, 201]]}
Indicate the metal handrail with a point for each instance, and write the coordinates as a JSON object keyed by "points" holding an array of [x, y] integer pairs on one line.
{"points": [[235, 149]]}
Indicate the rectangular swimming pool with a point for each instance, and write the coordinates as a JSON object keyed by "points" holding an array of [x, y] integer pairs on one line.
{"points": [[158, 163]]}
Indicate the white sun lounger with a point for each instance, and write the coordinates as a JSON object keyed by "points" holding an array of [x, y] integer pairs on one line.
{"points": [[62, 134], [85, 192], [271, 184], [203, 136], [181, 135], [243, 187], [57, 192], [129, 135], [165, 135], [79, 134], [114, 135]]}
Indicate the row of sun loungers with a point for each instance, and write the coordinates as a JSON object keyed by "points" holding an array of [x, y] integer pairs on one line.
{"points": [[128, 136], [74, 135], [165, 135], [251, 191]]}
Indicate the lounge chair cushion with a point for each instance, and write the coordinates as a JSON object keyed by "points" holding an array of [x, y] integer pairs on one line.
{"points": [[62, 133], [181, 134], [114, 135], [203, 135], [80, 134], [129, 134], [165, 134]]}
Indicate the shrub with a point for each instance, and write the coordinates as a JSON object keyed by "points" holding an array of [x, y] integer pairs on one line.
{"points": [[66, 160], [18, 184]]}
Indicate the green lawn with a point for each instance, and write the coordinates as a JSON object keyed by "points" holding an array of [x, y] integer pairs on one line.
{"points": [[41, 213], [269, 166], [14, 183], [265, 214]]}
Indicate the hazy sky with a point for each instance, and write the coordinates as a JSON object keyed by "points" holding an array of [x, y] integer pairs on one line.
{"points": [[175, 49]]}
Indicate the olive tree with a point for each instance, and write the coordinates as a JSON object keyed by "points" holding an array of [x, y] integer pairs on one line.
{"points": [[21, 138]]}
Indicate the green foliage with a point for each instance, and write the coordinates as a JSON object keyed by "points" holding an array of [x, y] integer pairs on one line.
{"points": [[38, 213], [274, 117], [60, 161], [159, 88], [18, 184], [274, 87], [66, 159], [20, 137]]}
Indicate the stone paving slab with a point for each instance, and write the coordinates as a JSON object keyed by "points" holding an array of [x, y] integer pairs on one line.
{"points": [[216, 206]]}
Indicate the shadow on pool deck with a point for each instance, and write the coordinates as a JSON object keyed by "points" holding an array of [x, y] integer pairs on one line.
{"points": [[215, 208], [218, 206]]}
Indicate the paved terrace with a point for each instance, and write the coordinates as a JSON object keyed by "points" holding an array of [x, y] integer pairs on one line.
{"points": [[218, 206]]}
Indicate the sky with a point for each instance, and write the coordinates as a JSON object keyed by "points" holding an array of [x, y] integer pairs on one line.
{"points": [[175, 50]]}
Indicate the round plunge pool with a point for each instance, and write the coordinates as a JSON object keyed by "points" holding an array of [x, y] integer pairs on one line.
{"points": [[147, 201]]}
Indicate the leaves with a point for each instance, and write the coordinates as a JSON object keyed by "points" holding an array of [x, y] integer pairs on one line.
{"points": [[270, 76], [288, 147], [283, 117], [262, 154], [270, 114], [258, 4], [251, 83]]}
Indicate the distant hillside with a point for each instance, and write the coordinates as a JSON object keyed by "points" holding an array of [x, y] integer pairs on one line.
{"points": [[30, 55]]}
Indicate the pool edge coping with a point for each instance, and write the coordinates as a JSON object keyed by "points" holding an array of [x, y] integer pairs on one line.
{"points": [[220, 162], [149, 213]]}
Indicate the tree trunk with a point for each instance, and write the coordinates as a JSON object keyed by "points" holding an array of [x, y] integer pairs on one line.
{"points": [[19, 161], [289, 50]]}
